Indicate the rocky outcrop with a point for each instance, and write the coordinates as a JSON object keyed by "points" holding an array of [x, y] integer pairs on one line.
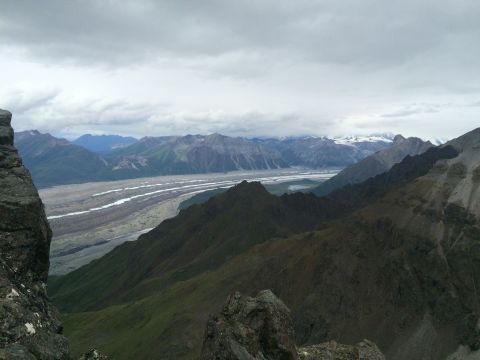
{"points": [[261, 328], [251, 328], [29, 324]]}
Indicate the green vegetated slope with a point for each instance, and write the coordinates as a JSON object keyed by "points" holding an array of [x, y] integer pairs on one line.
{"points": [[382, 260]]}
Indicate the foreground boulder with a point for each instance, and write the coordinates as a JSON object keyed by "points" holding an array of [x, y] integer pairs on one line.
{"points": [[251, 328], [261, 328], [29, 324]]}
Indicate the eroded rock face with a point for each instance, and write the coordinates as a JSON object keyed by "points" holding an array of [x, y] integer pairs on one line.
{"points": [[29, 324], [251, 328]]}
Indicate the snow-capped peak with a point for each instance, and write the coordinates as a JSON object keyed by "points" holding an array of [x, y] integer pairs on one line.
{"points": [[353, 139]]}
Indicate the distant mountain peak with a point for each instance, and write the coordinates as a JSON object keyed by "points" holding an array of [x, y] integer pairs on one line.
{"points": [[353, 139]]}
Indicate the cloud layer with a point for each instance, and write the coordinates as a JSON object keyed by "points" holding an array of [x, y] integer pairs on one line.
{"points": [[241, 67]]}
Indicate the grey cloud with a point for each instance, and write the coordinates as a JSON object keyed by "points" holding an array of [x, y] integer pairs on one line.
{"points": [[366, 33], [53, 112], [415, 110], [21, 102]]}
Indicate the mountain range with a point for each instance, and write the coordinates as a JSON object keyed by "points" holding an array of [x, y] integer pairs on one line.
{"points": [[394, 259], [54, 161], [104, 144]]}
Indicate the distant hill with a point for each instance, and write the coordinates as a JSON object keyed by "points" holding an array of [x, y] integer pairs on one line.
{"points": [[375, 164], [53, 161], [103, 144]]}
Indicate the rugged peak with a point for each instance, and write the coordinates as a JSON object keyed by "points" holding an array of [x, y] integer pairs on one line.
{"points": [[398, 138]]}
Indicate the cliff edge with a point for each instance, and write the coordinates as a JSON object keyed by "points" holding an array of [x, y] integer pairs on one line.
{"points": [[29, 324]]}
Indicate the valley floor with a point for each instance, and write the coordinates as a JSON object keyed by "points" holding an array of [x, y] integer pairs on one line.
{"points": [[88, 220]]}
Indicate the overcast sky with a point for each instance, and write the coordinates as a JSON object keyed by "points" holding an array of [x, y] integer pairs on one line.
{"points": [[247, 68]]}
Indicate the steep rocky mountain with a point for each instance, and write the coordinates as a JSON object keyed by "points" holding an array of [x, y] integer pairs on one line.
{"points": [[194, 154], [324, 152], [375, 164], [53, 161], [394, 259], [104, 144], [29, 324]]}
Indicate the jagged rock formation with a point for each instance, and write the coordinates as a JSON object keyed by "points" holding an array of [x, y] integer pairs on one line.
{"points": [[251, 328], [261, 328], [375, 164], [29, 325]]}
